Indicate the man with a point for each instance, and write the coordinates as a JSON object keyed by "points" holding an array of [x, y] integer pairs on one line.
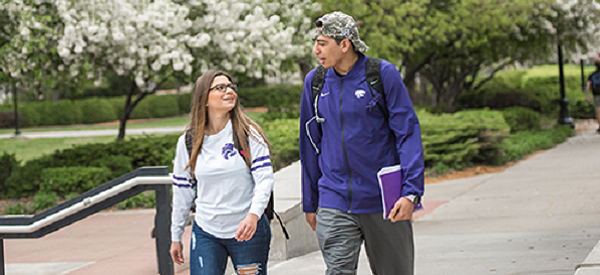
{"points": [[594, 84], [345, 139]]}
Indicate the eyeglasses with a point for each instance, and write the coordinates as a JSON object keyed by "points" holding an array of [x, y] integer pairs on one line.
{"points": [[222, 88]]}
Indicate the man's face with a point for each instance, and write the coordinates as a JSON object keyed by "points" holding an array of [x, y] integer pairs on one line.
{"points": [[327, 51]]}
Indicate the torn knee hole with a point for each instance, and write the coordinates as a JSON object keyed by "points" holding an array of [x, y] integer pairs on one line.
{"points": [[250, 269]]}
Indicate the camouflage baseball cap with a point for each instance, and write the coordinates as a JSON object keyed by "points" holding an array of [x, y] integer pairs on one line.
{"points": [[339, 25]]}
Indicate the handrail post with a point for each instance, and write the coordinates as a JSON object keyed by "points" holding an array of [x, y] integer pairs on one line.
{"points": [[2, 256], [162, 223]]}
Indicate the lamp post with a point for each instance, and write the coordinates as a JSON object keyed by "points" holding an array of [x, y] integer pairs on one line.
{"points": [[564, 116], [583, 86], [17, 130]]}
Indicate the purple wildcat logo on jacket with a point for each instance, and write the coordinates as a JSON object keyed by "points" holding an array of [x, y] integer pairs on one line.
{"points": [[228, 150]]}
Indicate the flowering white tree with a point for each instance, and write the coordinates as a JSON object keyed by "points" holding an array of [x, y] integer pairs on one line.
{"points": [[151, 40], [29, 36], [252, 37]]}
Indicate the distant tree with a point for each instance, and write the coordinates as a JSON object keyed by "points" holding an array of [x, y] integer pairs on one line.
{"points": [[452, 42], [29, 36]]}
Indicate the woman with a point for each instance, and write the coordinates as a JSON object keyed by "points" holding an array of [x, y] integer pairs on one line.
{"points": [[230, 168]]}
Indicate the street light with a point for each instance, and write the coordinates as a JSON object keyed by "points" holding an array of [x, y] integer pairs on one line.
{"points": [[564, 116]]}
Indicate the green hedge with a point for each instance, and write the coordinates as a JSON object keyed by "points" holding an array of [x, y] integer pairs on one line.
{"points": [[98, 109], [536, 89], [520, 118], [95, 110], [73, 179], [524, 143], [283, 136], [118, 157], [451, 141]]}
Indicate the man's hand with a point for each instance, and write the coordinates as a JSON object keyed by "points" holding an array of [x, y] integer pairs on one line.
{"points": [[311, 219], [177, 252], [403, 210], [247, 228]]}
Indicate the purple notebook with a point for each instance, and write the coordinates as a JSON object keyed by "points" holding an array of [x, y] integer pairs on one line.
{"points": [[390, 184]]}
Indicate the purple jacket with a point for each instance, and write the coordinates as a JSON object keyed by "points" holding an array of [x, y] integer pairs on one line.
{"points": [[355, 141]]}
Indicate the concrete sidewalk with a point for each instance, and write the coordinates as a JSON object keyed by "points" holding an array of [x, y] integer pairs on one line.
{"points": [[540, 216]]}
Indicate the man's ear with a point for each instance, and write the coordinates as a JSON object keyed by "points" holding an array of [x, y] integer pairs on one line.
{"points": [[346, 45]]}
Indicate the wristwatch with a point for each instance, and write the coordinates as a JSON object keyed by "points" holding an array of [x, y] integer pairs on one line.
{"points": [[414, 198]]}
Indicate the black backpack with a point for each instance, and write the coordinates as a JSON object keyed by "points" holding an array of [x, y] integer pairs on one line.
{"points": [[596, 83], [269, 211], [373, 75]]}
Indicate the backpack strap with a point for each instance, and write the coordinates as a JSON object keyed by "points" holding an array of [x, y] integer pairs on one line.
{"points": [[189, 145], [373, 75], [318, 81]]}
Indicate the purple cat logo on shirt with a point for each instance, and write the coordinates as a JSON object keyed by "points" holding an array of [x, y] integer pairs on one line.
{"points": [[228, 150]]}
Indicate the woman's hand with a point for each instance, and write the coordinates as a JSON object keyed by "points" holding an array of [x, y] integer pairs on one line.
{"points": [[177, 253], [247, 228]]}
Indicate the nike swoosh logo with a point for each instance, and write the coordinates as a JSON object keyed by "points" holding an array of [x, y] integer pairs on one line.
{"points": [[325, 94]]}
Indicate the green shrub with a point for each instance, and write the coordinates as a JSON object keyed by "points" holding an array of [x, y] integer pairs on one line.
{"points": [[163, 105], [95, 110], [30, 114], [67, 112], [75, 179], [144, 199], [283, 137], [24, 181], [580, 108], [142, 110], [184, 101], [44, 200], [524, 143], [117, 164], [8, 162], [118, 104], [451, 141], [19, 208], [519, 118]]}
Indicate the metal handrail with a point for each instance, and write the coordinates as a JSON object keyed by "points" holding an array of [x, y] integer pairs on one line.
{"points": [[99, 198]]}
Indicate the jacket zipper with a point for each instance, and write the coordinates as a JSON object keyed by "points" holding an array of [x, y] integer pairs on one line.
{"points": [[344, 149]]}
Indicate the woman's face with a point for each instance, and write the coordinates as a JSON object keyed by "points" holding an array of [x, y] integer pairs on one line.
{"points": [[221, 95]]}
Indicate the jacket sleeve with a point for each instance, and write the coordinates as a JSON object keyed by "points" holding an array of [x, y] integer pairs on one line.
{"points": [[184, 191], [262, 174], [310, 136], [405, 125]]}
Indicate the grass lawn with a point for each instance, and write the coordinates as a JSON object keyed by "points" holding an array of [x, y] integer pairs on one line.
{"points": [[27, 149]]}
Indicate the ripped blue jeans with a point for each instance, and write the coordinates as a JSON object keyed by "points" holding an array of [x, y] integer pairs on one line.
{"points": [[209, 254]]}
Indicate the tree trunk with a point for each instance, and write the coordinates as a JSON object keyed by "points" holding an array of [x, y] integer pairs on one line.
{"points": [[305, 67], [126, 112], [423, 98], [129, 106], [411, 90]]}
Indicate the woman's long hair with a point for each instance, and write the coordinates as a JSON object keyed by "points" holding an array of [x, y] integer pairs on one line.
{"points": [[243, 126]]}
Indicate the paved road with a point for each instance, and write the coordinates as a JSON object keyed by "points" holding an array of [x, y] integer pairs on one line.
{"points": [[89, 133]]}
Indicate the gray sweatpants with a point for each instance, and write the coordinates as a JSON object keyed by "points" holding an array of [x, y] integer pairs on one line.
{"points": [[389, 246]]}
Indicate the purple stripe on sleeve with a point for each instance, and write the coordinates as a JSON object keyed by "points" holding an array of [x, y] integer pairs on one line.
{"points": [[266, 164], [183, 185], [261, 159], [178, 178]]}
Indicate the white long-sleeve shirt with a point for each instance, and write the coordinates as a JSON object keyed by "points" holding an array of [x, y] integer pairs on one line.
{"points": [[226, 190]]}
